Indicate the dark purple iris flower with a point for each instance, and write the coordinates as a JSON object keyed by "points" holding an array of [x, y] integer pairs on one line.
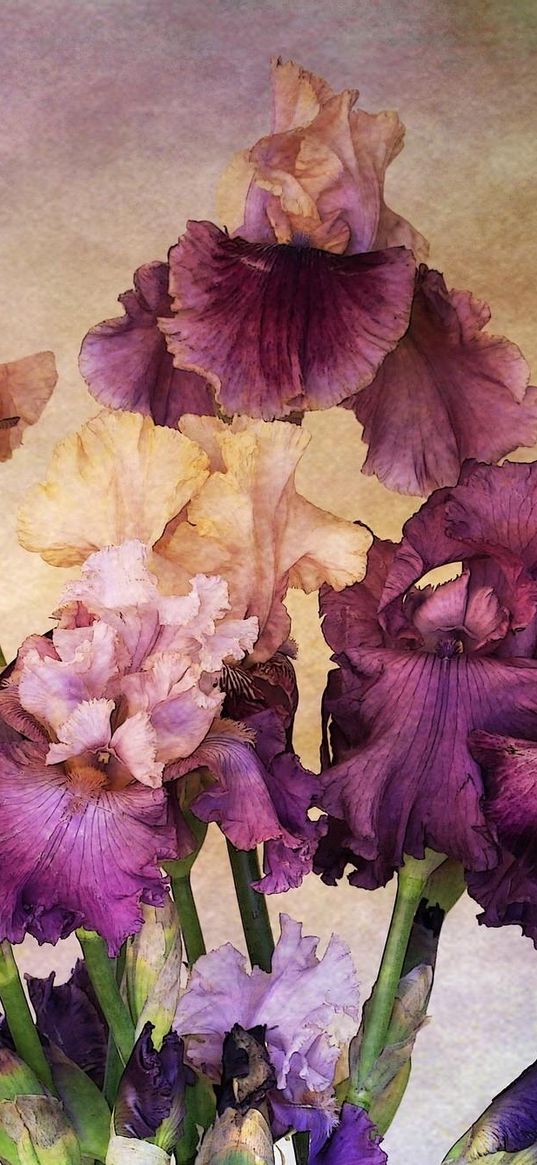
{"points": [[126, 364], [261, 792], [428, 681]]}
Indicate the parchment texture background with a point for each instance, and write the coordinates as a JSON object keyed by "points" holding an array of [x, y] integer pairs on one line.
{"points": [[117, 117]]}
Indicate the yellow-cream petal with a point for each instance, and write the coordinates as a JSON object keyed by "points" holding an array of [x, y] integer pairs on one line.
{"points": [[120, 477], [249, 524]]}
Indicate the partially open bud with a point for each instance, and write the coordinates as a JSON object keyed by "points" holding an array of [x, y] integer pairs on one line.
{"points": [[385, 1083], [237, 1139], [152, 970], [35, 1131], [151, 1095]]}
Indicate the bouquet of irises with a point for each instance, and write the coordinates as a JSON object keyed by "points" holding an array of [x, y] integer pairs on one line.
{"points": [[164, 697]]}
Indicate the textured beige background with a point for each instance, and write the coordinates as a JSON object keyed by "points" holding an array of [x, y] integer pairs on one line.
{"points": [[117, 117]]}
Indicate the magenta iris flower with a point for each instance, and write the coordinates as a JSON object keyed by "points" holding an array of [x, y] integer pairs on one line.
{"points": [[423, 669]]}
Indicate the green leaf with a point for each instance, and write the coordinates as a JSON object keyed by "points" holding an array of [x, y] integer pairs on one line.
{"points": [[84, 1104]]}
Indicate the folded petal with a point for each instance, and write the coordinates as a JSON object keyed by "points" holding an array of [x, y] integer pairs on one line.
{"points": [[239, 799], [509, 892], [120, 477], [281, 328], [320, 173], [70, 1016], [353, 1142], [25, 387], [448, 392], [86, 729], [125, 361], [413, 783], [74, 853]]}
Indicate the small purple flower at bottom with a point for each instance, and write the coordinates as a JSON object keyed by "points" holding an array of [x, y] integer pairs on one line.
{"points": [[309, 1007]]}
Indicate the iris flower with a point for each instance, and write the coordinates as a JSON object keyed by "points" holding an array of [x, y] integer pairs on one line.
{"points": [[128, 682], [309, 1006], [212, 499], [422, 670]]}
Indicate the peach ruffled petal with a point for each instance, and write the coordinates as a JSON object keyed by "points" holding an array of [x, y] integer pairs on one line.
{"points": [[249, 524], [119, 477]]}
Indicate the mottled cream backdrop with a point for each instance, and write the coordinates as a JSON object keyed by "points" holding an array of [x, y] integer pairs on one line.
{"points": [[117, 118]]}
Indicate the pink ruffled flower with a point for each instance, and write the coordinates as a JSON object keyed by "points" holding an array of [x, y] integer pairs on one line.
{"points": [[309, 1006], [129, 681]]}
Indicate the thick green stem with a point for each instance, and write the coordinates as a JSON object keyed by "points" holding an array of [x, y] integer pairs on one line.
{"points": [[3, 660], [101, 970], [19, 1018], [188, 918], [412, 879], [252, 906]]}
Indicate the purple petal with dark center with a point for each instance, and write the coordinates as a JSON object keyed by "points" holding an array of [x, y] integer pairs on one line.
{"points": [[353, 1142], [126, 364], [153, 1086], [70, 1017], [74, 854], [448, 392], [413, 782], [282, 328]]}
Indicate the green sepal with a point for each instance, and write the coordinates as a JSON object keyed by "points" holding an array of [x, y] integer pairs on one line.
{"points": [[84, 1105]]}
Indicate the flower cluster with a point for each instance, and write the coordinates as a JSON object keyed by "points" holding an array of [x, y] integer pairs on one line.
{"points": [[165, 696]]}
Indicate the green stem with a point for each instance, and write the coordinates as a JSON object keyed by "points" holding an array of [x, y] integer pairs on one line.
{"points": [[188, 917], [412, 879], [3, 660], [252, 906], [101, 970], [19, 1018], [114, 1067]]}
